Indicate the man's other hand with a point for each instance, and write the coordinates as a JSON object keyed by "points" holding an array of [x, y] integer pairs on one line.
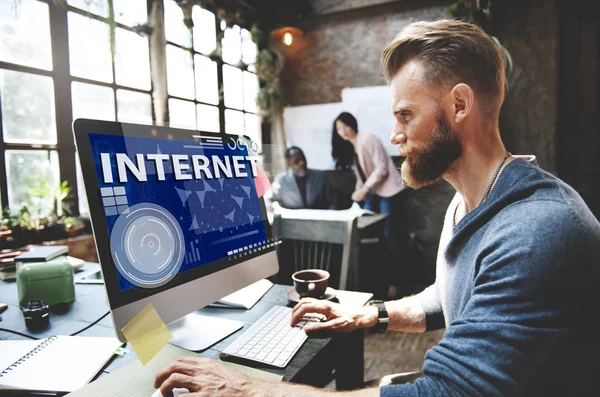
{"points": [[338, 318], [203, 377]]}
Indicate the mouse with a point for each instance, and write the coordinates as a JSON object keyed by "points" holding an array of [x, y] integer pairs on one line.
{"points": [[176, 392]]}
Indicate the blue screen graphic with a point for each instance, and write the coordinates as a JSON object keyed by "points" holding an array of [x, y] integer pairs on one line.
{"points": [[188, 219]]}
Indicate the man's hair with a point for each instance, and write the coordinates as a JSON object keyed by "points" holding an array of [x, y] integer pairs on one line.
{"points": [[291, 150], [451, 52]]}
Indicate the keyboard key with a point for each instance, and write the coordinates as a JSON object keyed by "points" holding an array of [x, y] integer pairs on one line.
{"points": [[271, 357]]}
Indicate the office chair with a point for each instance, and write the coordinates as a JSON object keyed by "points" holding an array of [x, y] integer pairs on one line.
{"points": [[317, 244]]}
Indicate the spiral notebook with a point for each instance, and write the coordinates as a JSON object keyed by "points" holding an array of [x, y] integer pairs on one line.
{"points": [[58, 364]]}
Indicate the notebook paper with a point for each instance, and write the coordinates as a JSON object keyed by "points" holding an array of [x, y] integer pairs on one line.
{"points": [[13, 350], [56, 364]]}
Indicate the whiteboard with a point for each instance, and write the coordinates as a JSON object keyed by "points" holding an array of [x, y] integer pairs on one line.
{"points": [[372, 107], [309, 127]]}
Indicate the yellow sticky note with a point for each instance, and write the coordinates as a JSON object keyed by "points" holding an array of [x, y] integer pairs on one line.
{"points": [[147, 333]]}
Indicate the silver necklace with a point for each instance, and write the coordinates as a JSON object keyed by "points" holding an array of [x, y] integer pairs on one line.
{"points": [[486, 193]]}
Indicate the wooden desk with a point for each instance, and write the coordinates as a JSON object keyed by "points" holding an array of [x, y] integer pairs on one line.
{"points": [[313, 364]]}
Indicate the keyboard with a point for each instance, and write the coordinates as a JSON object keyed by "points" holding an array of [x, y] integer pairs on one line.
{"points": [[271, 340]]}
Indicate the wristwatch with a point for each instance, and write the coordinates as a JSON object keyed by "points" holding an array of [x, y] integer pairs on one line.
{"points": [[382, 316]]}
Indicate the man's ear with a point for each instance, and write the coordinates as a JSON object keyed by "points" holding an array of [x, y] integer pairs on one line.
{"points": [[462, 98]]}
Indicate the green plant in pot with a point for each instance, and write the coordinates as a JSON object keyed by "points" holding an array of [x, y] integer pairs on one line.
{"points": [[32, 224], [60, 194], [74, 226]]}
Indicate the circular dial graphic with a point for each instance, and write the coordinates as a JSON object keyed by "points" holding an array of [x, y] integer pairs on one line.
{"points": [[147, 245]]}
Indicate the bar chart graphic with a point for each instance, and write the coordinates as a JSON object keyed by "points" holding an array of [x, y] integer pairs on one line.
{"points": [[193, 254]]}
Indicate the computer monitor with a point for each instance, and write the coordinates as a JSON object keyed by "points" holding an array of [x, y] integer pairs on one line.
{"points": [[179, 221]]}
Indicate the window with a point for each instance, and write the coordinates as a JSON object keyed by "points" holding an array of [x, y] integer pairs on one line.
{"points": [[26, 170], [240, 87], [27, 108], [108, 86], [28, 133], [211, 85], [19, 43], [196, 70]]}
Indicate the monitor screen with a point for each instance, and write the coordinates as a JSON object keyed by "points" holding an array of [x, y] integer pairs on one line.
{"points": [[172, 209]]}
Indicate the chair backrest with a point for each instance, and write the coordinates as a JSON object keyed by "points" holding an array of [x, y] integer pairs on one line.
{"points": [[317, 244]]}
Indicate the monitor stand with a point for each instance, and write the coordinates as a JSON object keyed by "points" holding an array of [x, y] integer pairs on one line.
{"points": [[196, 332]]}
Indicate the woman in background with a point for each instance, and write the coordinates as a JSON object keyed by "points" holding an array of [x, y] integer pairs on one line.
{"points": [[378, 182]]}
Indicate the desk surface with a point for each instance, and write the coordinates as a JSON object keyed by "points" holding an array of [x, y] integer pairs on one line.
{"points": [[366, 221], [90, 304]]}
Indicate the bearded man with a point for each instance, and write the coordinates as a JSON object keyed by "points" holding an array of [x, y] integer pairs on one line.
{"points": [[519, 251]]}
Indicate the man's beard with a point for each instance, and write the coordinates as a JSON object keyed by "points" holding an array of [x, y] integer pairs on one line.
{"points": [[426, 164]]}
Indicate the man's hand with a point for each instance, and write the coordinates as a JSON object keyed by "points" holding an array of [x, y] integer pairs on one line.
{"points": [[360, 194], [204, 377], [338, 318]]}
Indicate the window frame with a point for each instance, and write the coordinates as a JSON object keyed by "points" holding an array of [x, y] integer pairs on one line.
{"points": [[220, 84], [62, 81]]}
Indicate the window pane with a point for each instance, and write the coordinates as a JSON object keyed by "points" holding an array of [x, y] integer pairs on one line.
{"points": [[92, 102], [205, 35], [180, 72], [25, 170], [21, 44], [134, 107], [250, 92], [208, 118], [232, 45], [249, 48], [98, 7], [206, 80], [28, 114], [234, 122], [89, 48], [175, 30], [84, 208], [130, 12], [232, 87], [182, 114], [253, 129], [132, 61]]}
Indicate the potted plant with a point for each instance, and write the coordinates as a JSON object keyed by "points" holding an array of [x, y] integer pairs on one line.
{"points": [[31, 224], [74, 226]]}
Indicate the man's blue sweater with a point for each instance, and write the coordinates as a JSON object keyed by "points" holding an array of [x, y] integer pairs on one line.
{"points": [[514, 289]]}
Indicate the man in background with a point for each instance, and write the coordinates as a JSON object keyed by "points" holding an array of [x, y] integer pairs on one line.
{"points": [[299, 186]]}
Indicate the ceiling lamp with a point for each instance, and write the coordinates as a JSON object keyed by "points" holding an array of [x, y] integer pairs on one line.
{"points": [[287, 34]]}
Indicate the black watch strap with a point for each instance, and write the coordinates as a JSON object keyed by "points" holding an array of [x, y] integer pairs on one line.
{"points": [[382, 316]]}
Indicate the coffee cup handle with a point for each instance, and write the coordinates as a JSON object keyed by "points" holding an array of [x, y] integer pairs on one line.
{"points": [[311, 286]]}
